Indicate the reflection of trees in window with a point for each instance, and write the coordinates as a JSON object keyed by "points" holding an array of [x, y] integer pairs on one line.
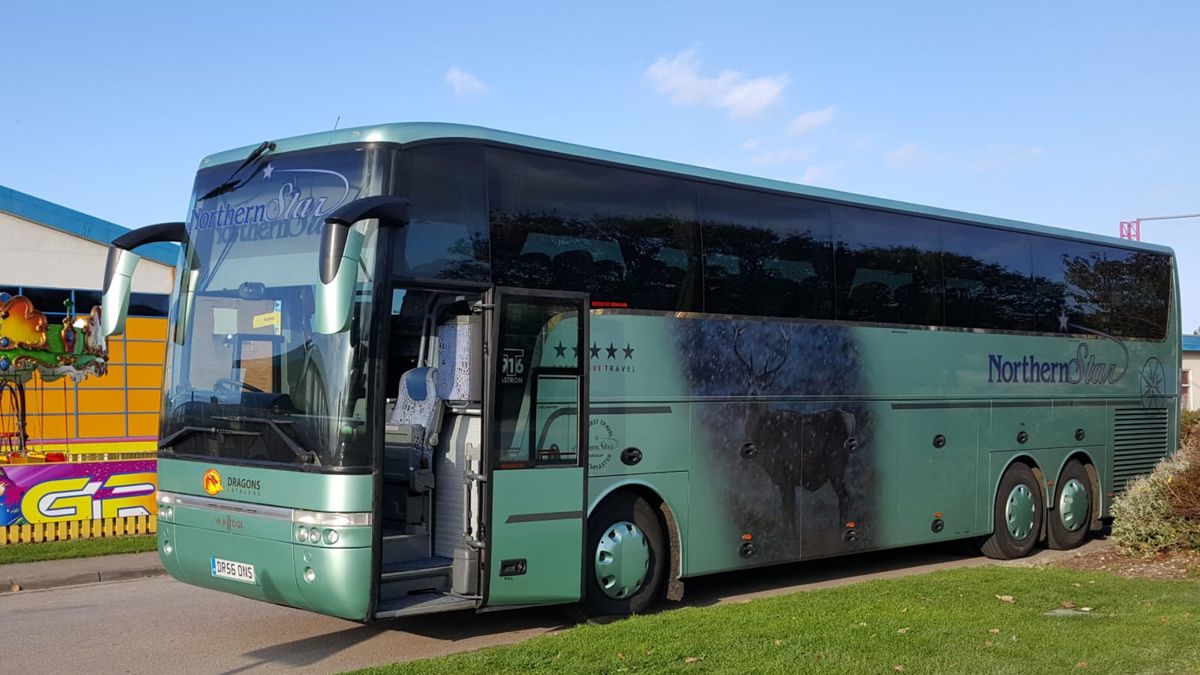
{"points": [[766, 254], [988, 278], [981, 294], [649, 263], [887, 268], [751, 270], [1119, 292], [622, 235]]}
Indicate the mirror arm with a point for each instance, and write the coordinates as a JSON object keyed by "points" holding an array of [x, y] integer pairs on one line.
{"points": [[118, 270]]}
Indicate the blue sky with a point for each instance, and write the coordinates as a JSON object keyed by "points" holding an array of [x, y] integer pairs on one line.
{"points": [[1074, 114]]}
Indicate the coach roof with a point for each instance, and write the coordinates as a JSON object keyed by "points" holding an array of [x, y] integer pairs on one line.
{"points": [[412, 132]]}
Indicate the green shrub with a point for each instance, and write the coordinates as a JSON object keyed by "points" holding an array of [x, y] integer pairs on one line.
{"points": [[1161, 510], [1189, 430]]}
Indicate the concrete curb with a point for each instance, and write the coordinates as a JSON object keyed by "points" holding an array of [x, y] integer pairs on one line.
{"points": [[48, 574]]}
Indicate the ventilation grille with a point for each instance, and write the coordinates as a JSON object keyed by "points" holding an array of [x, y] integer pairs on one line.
{"points": [[1139, 442]]}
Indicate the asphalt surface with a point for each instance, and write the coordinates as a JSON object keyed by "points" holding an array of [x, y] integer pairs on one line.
{"points": [[152, 625]]}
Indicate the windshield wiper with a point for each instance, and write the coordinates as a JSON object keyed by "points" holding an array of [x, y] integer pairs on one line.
{"points": [[306, 456], [230, 184], [188, 431]]}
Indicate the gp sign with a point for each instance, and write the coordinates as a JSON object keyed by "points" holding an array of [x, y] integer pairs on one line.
{"points": [[50, 493]]}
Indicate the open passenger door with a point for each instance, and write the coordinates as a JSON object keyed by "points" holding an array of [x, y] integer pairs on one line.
{"points": [[536, 459]]}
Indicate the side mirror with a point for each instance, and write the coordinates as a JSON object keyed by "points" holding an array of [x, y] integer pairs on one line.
{"points": [[341, 254], [118, 271], [118, 279]]}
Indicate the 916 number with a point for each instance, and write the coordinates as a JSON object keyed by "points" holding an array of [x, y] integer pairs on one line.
{"points": [[512, 362]]}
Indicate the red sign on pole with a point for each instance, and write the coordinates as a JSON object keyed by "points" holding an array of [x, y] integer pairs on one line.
{"points": [[1131, 229]]}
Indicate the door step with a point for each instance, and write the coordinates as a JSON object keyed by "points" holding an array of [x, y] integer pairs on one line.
{"points": [[414, 577], [421, 603], [415, 568]]}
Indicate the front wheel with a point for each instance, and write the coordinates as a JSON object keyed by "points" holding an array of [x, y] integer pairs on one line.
{"points": [[1067, 526], [1018, 515], [626, 557]]}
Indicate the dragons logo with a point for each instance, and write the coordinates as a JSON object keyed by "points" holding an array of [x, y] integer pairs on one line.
{"points": [[212, 482]]}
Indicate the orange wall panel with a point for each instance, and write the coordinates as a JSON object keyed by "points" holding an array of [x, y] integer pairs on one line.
{"points": [[143, 425], [101, 426], [145, 400], [146, 352], [112, 401], [144, 376], [116, 352], [145, 329], [113, 379]]}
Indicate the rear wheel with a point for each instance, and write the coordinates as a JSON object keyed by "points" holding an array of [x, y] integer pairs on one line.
{"points": [[626, 557], [1017, 516], [1067, 526]]}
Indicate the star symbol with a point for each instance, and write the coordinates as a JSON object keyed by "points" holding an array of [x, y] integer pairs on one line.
{"points": [[628, 351], [575, 353], [560, 351], [1062, 321], [594, 350], [612, 351], [267, 171]]}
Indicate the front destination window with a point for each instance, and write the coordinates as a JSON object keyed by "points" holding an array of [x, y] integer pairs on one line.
{"points": [[249, 377]]}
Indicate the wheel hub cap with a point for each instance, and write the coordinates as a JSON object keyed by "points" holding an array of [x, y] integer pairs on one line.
{"points": [[1073, 505], [1020, 512], [622, 560]]}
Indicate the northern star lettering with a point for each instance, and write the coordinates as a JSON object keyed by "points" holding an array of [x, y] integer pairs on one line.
{"points": [[1082, 369], [289, 214]]}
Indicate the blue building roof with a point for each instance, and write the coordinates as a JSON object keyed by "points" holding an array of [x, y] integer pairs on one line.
{"points": [[1191, 343], [79, 224]]}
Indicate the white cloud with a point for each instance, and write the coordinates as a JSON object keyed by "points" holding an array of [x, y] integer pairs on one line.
{"points": [[916, 156], [810, 120], [678, 77], [1000, 156], [751, 144], [464, 83]]}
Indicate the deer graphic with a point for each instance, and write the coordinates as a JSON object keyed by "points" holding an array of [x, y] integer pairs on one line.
{"points": [[794, 448]]}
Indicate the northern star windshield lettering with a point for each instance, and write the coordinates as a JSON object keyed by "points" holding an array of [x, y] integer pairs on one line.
{"points": [[289, 204]]}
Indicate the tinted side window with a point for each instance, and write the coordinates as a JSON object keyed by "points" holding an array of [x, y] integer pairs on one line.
{"points": [[1117, 291], [987, 276], [1139, 304], [766, 254], [447, 233], [1071, 286], [887, 267], [626, 237]]}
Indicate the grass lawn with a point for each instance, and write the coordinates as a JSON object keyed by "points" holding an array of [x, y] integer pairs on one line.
{"points": [[945, 622], [75, 548]]}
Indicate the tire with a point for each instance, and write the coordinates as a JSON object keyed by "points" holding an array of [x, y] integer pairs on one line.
{"points": [[1067, 527], [611, 521], [1019, 484]]}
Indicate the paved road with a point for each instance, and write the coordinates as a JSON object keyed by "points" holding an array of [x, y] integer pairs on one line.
{"points": [[157, 625]]}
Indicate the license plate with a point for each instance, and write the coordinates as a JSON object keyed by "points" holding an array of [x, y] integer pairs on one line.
{"points": [[228, 569]]}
